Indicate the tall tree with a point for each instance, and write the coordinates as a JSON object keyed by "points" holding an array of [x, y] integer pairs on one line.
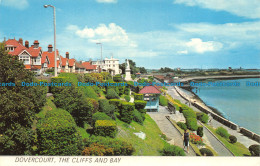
{"points": [[18, 105]]}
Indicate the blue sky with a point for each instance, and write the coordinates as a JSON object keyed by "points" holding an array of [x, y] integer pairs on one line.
{"points": [[153, 33]]}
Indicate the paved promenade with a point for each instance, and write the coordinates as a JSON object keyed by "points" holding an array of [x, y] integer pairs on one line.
{"points": [[168, 129]]}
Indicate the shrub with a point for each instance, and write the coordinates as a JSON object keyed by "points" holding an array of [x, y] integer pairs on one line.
{"points": [[107, 108], [191, 124], [105, 128], [121, 90], [182, 125], [202, 117], [127, 98], [127, 90], [126, 112], [206, 152], [100, 116], [222, 132], [254, 150], [57, 134], [96, 149], [233, 139], [140, 104], [117, 78], [163, 101], [137, 116], [116, 103], [111, 94], [200, 131], [119, 148], [138, 96], [189, 114], [172, 150]]}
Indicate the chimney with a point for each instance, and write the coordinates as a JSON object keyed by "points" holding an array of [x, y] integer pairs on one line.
{"points": [[21, 41], [50, 48], [67, 55], [26, 44], [36, 44]]}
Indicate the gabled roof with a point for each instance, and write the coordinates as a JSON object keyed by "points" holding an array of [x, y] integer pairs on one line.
{"points": [[19, 48], [79, 65], [88, 66], [44, 57], [71, 62], [149, 90], [63, 61], [51, 57]]}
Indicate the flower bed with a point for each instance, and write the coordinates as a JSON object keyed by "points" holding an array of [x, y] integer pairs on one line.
{"points": [[195, 139]]}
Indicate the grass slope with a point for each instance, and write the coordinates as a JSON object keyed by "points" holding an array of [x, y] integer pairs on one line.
{"points": [[147, 147]]}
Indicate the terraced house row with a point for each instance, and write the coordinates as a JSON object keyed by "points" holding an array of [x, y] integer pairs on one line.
{"points": [[38, 61]]}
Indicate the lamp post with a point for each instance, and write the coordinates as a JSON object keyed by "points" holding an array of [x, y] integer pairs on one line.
{"points": [[55, 54], [101, 65]]}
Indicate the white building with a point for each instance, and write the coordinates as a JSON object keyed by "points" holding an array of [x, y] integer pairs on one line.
{"points": [[110, 65]]}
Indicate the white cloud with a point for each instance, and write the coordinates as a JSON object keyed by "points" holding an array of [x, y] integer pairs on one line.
{"points": [[18, 4], [111, 34], [245, 8], [106, 1], [198, 46], [183, 52]]}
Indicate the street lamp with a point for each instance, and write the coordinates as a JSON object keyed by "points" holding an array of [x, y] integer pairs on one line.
{"points": [[54, 23], [101, 65]]}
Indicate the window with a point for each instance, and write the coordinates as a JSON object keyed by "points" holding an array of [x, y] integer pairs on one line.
{"points": [[113, 65], [25, 59]]}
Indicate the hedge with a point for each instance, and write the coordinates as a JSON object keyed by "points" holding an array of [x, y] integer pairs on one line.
{"points": [[172, 150], [138, 96], [127, 90], [111, 94], [100, 116], [118, 147], [206, 152], [107, 108], [182, 125], [57, 134], [163, 101], [191, 124], [222, 132], [254, 150], [105, 128], [200, 131], [117, 78], [202, 117], [116, 103], [126, 112], [140, 104], [189, 113], [137, 116]]}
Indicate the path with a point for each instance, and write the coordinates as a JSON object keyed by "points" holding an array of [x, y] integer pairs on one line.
{"points": [[168, 129]]}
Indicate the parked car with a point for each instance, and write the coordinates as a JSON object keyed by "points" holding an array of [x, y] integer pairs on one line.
{"points": [[45, 74]]}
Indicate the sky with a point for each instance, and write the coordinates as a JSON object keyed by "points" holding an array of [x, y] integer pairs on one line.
{"points": [[153, 33]]}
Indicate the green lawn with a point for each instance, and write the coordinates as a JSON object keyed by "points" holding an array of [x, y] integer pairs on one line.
{"points": [[147, 147], [237, 148]]}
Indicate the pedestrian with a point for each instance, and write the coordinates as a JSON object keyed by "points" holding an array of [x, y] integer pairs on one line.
{"points": [[186, 138]]}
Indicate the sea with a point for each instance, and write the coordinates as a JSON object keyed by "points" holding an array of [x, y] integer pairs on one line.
{"points": [[239, 104]]}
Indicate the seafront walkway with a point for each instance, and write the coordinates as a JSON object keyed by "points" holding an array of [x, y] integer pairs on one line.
{"points": [[168, 129], [215, 124]]}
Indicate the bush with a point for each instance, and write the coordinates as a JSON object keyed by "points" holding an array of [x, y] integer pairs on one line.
{"points": [[126, 112], [100, 116], [127, 98], [127, 90], [140, 104], [222, 132], [107, 108], [57, 134], [137, 116], [111, 94], [105, 128], [119, 148], [96, 149], [172, 150], [116, 103], [195, 139], [117, 78], [206, 152], [254, 150], [138, 96], [192, 124], [163, 101], [202, 117], [182, 125], [232, 139], [121, 90], [200, 131], [189, 113]]}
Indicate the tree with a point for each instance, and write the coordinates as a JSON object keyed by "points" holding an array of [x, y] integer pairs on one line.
{"points": [[133, 67], [142, 70], [18, 105]]}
